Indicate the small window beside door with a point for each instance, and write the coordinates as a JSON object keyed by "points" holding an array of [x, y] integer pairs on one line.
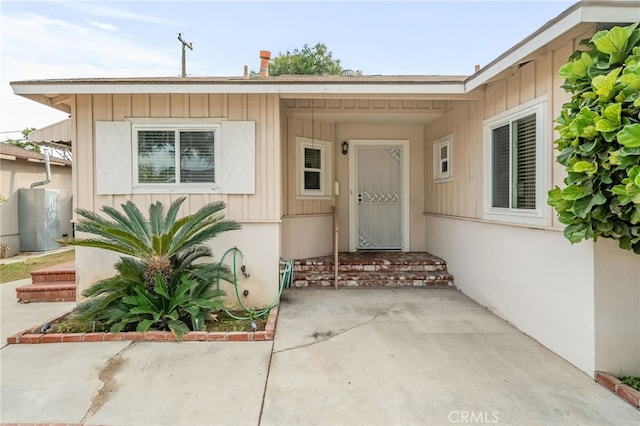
{"points": [[442, 160], [314, 168]]}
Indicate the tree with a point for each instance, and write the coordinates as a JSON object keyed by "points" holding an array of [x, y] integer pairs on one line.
{"points": [[316, 60], [24, 142]]}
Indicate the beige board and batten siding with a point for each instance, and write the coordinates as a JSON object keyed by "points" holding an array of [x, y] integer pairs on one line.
{"points": [[314, 130], [257, 210], [307, 229], [261, 109], [536, 78], [462, 125]]}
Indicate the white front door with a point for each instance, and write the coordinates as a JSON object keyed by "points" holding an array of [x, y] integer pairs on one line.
{"points": [[378, 197]]}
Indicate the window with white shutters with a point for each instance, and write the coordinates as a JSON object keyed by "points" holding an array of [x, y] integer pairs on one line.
{"points": [[161, 155]]}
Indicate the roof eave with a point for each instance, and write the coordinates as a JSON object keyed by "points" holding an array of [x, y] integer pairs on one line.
{"points": [[43, 88], [579, 13]]}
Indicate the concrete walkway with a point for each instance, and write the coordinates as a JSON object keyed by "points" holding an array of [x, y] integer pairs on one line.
{"points": [[351, 357]]}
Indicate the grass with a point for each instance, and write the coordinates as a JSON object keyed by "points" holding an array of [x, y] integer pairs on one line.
{"points": [[21, 270], [632, 381]]}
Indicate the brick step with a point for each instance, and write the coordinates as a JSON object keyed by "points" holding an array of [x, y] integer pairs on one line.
{"points": [[374, 279], [373, 269], [347, 268], [62, 272], [55, 283], [59, 291]]}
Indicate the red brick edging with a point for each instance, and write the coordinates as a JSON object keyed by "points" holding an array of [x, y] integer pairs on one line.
{"points": [[27, 336], [614, 384]]}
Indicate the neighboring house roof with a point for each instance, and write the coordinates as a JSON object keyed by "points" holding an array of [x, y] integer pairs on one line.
{"points": [[56, 135], [10, 152], [56, 93]]}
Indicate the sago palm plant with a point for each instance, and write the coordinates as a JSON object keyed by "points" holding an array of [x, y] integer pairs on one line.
{"points": [[165, 244], [158, 284]]}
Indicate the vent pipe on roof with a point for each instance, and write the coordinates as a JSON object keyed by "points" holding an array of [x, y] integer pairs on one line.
{"points": [[47, 166], [265, 56]]}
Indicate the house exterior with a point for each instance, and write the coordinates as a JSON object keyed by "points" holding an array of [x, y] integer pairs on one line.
{"points": [[412, 163], [19, 168]]}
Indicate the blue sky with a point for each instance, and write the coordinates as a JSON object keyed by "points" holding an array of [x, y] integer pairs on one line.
{"points": [[74, 38]]}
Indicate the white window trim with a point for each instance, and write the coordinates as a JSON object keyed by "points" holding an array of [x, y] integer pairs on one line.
{"points": [[438, 175], [179, 125], [539, 216], [325, 190]]}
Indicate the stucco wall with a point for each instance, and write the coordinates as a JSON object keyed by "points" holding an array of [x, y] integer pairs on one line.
{"points": [[259, 244], [535, 279], [307, 236], [20, 173], [617, 309]]}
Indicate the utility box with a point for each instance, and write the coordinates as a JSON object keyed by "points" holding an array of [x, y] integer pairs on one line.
{"points": [[39, 219]]}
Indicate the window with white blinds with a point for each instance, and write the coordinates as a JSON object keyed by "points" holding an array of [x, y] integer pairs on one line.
{"points": [[501, 166], [513, 176], [524, 163], [176, 156], [514, 164]]}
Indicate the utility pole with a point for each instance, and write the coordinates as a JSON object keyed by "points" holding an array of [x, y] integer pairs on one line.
{"points": [[184, 55]]}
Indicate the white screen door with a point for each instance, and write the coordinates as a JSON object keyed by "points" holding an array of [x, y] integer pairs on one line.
{"points": [[379, 197]]}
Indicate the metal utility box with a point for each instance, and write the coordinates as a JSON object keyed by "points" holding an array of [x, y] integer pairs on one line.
{"points": [[39, 219]]}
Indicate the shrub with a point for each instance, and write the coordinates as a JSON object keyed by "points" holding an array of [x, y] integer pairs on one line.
{"points": [[599, 142], [158, 284]]}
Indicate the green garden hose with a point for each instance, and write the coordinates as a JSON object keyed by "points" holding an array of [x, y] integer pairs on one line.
{"points": [[285, 282]]}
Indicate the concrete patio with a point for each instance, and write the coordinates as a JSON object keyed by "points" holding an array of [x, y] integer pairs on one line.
{"points": [[348, 357]]}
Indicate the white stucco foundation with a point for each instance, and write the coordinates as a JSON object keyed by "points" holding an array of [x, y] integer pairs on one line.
{"points": [[307, 236], [533, 278], [259, 243], [92, 265], [617, 309]]}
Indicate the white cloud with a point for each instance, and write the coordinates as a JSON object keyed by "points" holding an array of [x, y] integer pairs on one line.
{"points": [[103, 26], [36, 46], [40, 47], [104, 11]]}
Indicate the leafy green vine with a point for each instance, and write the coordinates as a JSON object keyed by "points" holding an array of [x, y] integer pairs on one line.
{"points": [[599, 142]]}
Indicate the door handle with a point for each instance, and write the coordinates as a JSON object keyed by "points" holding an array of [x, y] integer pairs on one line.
{"points": [[360, 198]]}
